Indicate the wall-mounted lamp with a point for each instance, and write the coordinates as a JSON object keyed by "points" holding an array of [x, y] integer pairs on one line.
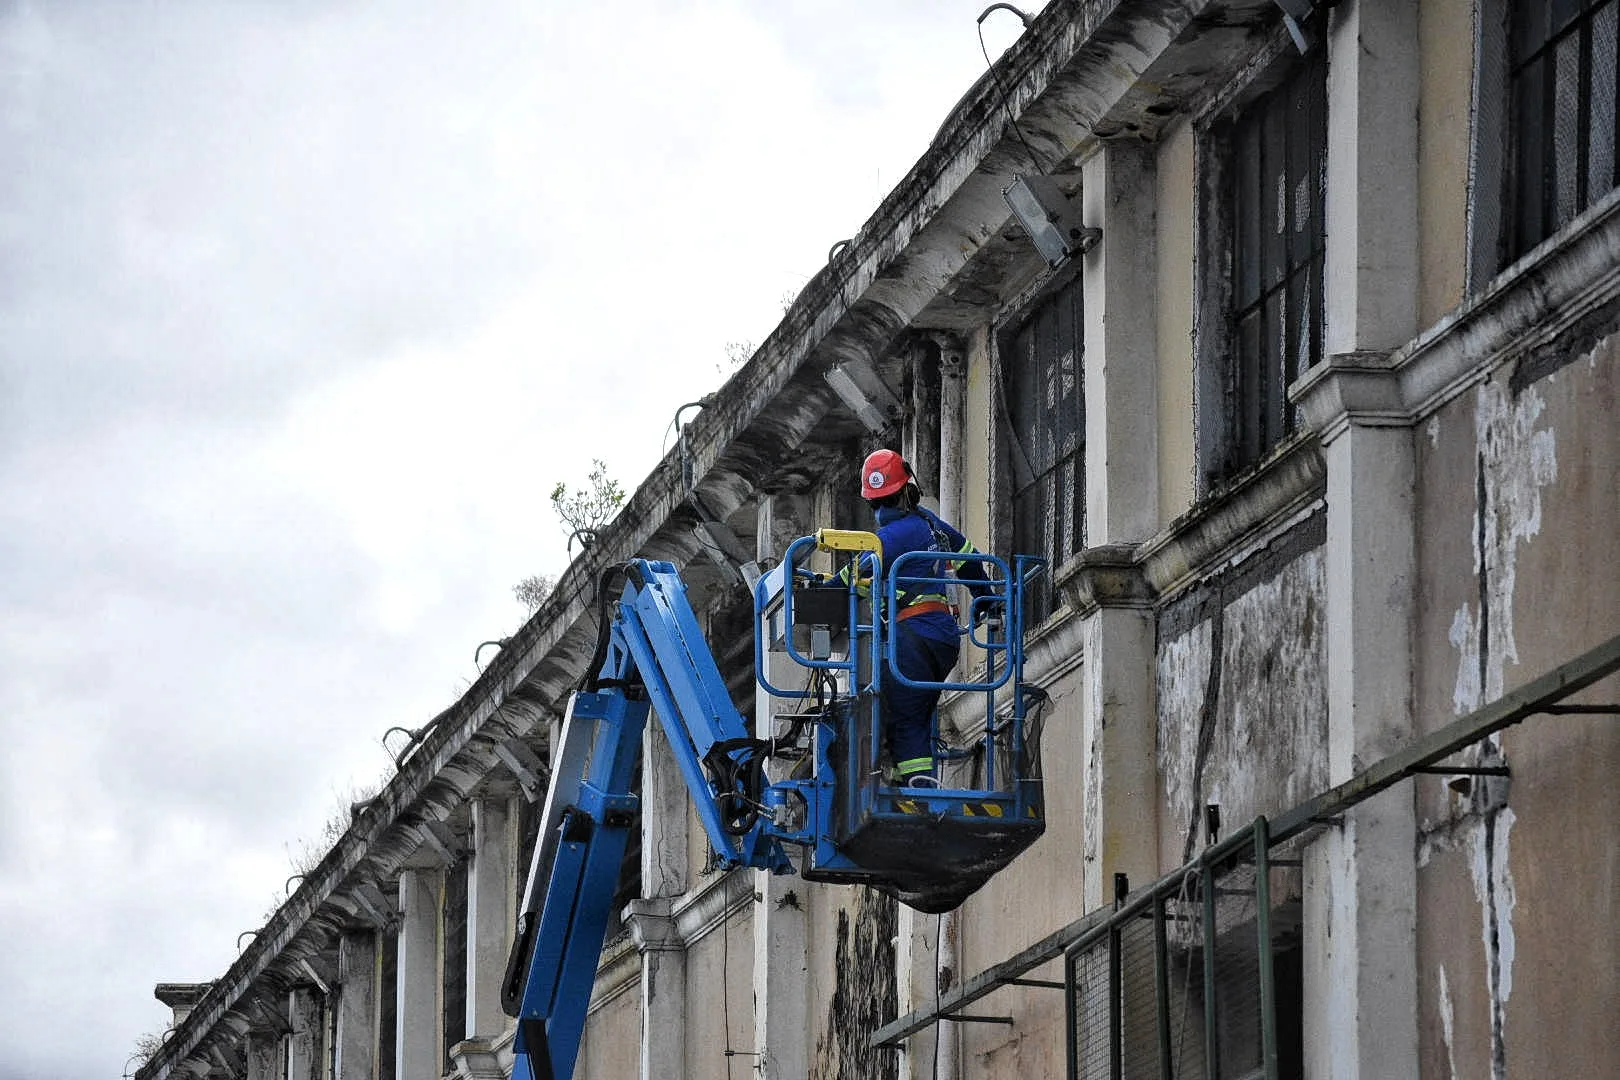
{"points": [[859, 386], [1050, 218], [1296, 13]]}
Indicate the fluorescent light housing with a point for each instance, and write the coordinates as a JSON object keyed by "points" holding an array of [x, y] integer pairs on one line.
{"points": [[1050, 218]]}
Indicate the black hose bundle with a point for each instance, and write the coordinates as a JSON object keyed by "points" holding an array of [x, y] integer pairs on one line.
{"points": [[738, 769]]}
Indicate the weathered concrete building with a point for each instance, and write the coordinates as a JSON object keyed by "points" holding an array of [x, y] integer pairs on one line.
{"points": [[1321, 438]]}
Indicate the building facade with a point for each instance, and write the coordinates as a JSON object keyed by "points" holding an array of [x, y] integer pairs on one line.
{"points": [[1320, 438]]}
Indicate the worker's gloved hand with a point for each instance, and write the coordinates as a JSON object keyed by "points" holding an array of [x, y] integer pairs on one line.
{"points": [[988, 617]]}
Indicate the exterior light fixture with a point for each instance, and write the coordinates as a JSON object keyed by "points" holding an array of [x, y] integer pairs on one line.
{"points": [[1050, 218], [858, 384], [1295, 14]]}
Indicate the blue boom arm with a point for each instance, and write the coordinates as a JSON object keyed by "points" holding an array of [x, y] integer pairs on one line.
{"points": [[929, 848], [653, 655]]}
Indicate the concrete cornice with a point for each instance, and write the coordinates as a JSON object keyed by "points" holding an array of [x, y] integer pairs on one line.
{"points": [[1527, 307], [1107, 576], [1244, 515], [619, 971], [1360, 388], [652, 926]]}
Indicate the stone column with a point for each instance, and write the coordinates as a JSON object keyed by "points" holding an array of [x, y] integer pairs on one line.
{"points": [[1121, 346], [781, 941], [1371, 270], [663, 986], [420, 982], [1119, 726], [355, 1056], [491, 918], [1361, 879], [664, 828], [1360, 918], [1103, 585], [306, 1006]]}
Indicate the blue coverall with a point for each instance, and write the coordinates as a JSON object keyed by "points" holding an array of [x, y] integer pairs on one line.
{"points": [[926, 643]]}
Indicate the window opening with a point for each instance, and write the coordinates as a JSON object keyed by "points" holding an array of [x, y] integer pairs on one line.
{"points": [[455, 957], [1197, 978], [1564, 62], [1043, 390], [1275, 175], [387, 1004]]}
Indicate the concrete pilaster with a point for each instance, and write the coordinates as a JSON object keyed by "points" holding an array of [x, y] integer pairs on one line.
{"points": [[307, 1043], [491, 920], [1360, 976], [420, 985], [355, 1052], [263, 1054], [1360, 911], [1372, 175], [663, 985], [664, 873], [1121, 346], [781, 940], [1118, 729]]}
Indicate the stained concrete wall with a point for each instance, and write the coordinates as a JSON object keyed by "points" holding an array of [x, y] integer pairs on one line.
{"points": [[1041, 891], [1519, 879], [610, 1049], [720, 1002], [1242, 691], [860, 942]]}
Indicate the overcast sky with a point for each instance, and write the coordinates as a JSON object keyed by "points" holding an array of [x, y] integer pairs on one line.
{"points": [[304, 307]]}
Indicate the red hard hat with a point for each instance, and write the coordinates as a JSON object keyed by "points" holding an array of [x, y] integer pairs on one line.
{"points": [[884, 472]]}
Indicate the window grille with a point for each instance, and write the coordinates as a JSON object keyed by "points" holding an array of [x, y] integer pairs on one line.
{"points": [[1275, 182], [528, 829], [1044, 389], [1197, 979], [387, 1003], [1563, 67], [455, 957], [628, 887]]}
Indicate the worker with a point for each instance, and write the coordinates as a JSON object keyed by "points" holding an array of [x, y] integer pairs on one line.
{"points": [[927, 636]]}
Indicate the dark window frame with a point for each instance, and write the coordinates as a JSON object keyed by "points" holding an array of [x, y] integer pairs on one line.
{"points": [[1554, 71], [1029, 471], [1249, 343], [387, 1003], [1503, 199], [453, 950]]}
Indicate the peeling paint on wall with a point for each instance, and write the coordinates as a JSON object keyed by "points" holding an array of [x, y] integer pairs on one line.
{"points": [[1514, 462], [1242, 690], [1493, 885], [1447, 1023]]}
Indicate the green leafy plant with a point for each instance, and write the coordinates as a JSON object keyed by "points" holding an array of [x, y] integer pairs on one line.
{"points": [[586, 509]]}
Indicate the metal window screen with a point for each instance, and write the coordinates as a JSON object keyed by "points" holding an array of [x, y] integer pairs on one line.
{"points": [[455, 957], [1276, 183], [1175, 985], [387, 1003], [1046, 407], [1562, 82]]}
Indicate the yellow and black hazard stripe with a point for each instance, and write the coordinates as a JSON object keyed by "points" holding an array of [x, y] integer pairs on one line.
{"points": [[967, 809]]}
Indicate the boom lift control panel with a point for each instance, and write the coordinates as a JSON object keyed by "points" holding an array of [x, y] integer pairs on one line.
{"points": [[813, 794]]}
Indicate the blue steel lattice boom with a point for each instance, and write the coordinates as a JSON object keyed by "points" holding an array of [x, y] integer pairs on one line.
{"points": [[930, 848]]}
